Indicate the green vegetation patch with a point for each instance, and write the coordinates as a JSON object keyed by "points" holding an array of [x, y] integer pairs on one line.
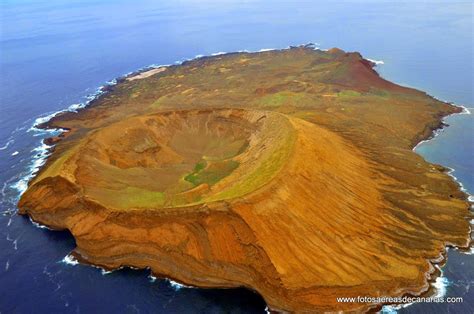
{"points": [[380, 93], [142, 198], [281, 98], [157, 103], [211, 173], [129, 197], [348, 93]]}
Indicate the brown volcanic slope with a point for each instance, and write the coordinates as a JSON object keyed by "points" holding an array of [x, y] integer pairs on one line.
{"points": [[288, 172]]}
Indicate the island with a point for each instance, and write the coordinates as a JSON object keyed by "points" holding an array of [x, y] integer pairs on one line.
{"points": [[288, 172]]}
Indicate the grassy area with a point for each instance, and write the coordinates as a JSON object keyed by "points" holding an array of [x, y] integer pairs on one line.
{"points": [[212, 173], [129, 197], [157, 103], [348, 93], [281, 98], [133, 196], [193, 176]]}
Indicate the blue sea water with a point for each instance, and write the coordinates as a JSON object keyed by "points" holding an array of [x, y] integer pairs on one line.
{"points": [[55, 53]]}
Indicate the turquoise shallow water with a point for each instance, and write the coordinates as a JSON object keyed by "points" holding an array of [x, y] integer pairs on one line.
{"points": [[55, 53]]}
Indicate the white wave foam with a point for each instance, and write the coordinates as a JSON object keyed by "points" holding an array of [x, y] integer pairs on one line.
{"points": [[37, 225], [104, 272], [2, 191], [450, 172], [393, 309], [15, 153], [7, 144], [39, 159], [465, 110], [176, 286], [424, 141], [390, 309], [7, 212], [7, 265], [70, 260], [267, 49], [440, 287], [440, 284], [75, 107], [377, 62], [43, 119]]}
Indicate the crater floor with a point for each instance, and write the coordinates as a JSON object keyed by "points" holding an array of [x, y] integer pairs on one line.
{"points": [[287, 172]]}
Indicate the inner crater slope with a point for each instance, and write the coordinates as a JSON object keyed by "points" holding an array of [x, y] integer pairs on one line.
{"points": [[288, 172], [177, 158]]}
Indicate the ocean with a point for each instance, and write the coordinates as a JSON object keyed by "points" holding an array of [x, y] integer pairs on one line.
{"points": [[57, 54]]}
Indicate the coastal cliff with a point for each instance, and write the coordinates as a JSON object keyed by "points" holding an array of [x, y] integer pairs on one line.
{"points": [[288, 172]]}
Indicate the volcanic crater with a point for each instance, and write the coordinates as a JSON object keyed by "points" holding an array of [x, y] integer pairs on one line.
{"points": [[175, 158]]}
